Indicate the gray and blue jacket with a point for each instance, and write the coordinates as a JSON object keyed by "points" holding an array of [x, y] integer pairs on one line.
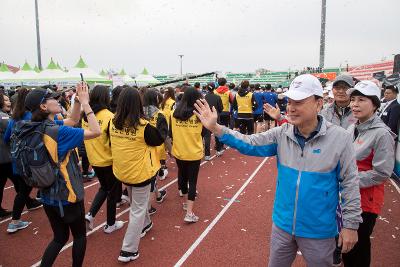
{"points": [[308, 179]]}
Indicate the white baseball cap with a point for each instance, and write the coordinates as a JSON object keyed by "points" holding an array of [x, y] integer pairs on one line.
{"points": [[367, 88], [304, 86]]}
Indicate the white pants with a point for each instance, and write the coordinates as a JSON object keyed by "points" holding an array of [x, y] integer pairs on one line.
{"points": [[138, 217]]}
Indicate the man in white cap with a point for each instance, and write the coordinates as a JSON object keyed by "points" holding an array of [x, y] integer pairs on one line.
{"points": [[339, 112], [313, 156]]}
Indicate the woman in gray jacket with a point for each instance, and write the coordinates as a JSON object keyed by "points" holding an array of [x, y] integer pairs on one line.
{"points": [[374, 146]]}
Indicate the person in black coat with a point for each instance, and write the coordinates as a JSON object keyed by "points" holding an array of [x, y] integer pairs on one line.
{"points": [[215, 101], [390, 111]]}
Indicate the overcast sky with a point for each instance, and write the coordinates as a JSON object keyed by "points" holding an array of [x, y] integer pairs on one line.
{"points": [[224, 35]]}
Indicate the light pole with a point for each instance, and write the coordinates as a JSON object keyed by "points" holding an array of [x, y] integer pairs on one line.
{"points": [[38, 36], [322, 38], [181, 56]]}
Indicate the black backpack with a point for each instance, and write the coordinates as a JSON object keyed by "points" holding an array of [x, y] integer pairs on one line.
{"points": [[31, 158]]}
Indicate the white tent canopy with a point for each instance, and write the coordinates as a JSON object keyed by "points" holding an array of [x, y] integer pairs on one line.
{"points": [[145, 78], [88, 74]]}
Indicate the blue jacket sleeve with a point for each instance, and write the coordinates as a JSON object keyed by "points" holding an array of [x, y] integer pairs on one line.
{"points": [[7, 134], [261, 145]]}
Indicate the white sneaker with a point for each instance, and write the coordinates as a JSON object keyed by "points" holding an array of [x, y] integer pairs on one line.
{"points": [[89, 221], [220, 153], [191, 218], [108, 229], [207, 158], [184, 206], [163, 176], [125, 198]]}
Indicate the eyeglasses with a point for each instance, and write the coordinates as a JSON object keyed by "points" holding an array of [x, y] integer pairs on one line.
{"points": [[341, 87]]}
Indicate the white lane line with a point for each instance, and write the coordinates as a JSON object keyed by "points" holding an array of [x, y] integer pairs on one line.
{"points": [[216, 219], [395, 185], [117, 216], [25, 212], [9, 187]]}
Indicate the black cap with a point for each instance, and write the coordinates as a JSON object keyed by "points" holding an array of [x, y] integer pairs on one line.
{"points": [[37, 97]]}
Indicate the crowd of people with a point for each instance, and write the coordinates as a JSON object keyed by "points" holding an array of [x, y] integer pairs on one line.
{"points": [[334, 147]]}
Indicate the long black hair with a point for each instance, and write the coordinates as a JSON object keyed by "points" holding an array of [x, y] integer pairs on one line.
{"points": [[99, 97], [185, 108], [129, 109], [169, 93], [114, 98], [19, 108], [150, 98]]}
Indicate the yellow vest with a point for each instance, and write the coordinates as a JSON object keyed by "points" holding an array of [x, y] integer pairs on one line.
{"points": [[225, 100], [168, 108], [98, 150], [187, 141], [160, 150], [134, 160], [244, 103]]}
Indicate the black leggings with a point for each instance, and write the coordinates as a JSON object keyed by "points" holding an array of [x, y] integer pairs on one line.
{"points": [[74, 220], [187, 173], [6, 173], [360, 255], [109, 189], [21, 199]]}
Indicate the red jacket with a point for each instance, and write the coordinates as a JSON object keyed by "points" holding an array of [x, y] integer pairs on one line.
{"points": [[374, 146], [371, 197]]}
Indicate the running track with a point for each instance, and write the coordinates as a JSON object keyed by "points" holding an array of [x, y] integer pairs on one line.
{"points": [[234, 205]]}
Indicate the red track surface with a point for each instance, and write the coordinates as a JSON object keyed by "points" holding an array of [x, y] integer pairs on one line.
{"points": [[240, 237]]}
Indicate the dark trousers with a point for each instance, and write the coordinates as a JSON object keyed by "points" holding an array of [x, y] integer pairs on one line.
{"points": [[110, 189], [85, 164], [74, 220], [6, 173], [207, 142], [246, 126], [223, 120], [360, 255], [187, 173], [21, 199]]}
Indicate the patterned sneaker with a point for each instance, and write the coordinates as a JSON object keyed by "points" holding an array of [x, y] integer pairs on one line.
{"points": [[152, 210], [14, 227], [163, 195], [108, 229], [165, 173], [125, 256], [146, 229], [191, 218], [207, 158]]}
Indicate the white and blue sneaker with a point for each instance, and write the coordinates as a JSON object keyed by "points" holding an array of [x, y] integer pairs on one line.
{"points": [[14, 227]]}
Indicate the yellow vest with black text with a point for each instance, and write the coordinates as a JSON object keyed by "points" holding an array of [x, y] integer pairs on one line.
{"points": [[98, 149], [168, 108], [160, 150], [187, 141], [225, 100], [244, 103], [134, 161]]}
